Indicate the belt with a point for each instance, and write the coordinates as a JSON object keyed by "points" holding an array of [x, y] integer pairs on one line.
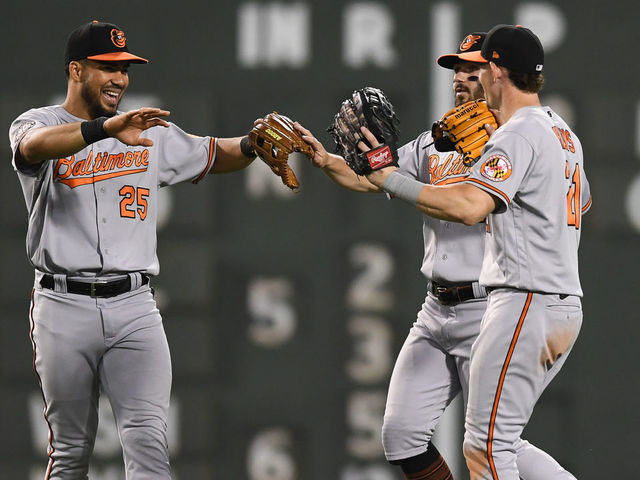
{"points": [[561, 295], [99, 289], [454, 294]]}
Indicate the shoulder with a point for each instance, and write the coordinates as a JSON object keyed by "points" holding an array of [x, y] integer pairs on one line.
{"points": [[50, 115], [419, 143]]}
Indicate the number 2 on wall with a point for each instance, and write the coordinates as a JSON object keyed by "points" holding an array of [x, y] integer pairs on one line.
{"points": [[131, 195], [573, 197]]}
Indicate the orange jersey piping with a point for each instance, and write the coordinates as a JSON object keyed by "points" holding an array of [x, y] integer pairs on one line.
{"points": [[209, 161], [493, 189], [44, 413], [503, 374]]}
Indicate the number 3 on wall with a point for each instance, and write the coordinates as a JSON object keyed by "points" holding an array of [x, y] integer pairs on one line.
{"points": [[130, 195]]}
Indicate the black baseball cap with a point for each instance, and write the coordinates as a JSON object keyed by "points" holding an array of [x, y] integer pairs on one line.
{"points": [[99, 41], [514, 47], [471, 43]]}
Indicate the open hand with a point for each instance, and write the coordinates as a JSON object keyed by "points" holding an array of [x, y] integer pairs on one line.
{"points": [[127, 127], [320, 155]]}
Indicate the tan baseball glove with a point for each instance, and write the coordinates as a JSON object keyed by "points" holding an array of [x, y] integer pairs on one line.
{"points": [[462, 129], [273, 139]]}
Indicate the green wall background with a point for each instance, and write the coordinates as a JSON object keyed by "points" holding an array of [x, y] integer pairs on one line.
{"points": [[279, 371]]}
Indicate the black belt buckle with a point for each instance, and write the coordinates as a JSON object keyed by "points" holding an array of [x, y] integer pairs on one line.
{"points": [[454, 294], [94, 285], [444, 294]]}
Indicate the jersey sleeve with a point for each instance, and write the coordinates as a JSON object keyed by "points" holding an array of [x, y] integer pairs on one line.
{"points": [[182, 157], [585, 193], [34, 118], [411, 157], [502, 167]]}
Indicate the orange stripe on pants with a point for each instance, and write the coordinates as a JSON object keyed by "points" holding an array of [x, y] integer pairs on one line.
{"points": [[503, 374]]}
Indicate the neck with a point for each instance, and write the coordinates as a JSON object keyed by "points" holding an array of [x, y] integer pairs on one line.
{"points": [[75, 105], [514, 99]]}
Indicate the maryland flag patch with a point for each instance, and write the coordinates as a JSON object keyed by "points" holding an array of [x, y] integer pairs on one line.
{"points": [[496, 168]]}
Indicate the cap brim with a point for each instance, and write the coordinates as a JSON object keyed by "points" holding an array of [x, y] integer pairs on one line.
{"points": [[448, 61], [118, 57], [475, 56]]}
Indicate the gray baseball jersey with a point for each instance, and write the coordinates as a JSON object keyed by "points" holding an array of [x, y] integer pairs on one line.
{"points": [[104, 197], [92, 218], [534, 165], [452, 251], [433, 364]]}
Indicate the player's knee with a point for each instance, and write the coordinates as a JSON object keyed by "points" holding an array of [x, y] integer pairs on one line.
{"points": [[474, 449], [71, 461], [145, 444], [399, 434]]}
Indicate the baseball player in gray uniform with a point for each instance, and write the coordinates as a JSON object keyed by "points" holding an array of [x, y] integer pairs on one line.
{"points": [[90, 176], [531, 188], [432, 367]]}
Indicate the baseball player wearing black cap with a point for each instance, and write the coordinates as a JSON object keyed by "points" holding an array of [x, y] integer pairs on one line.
{"points": [[90, 176], [530, 186], [432, 367]]}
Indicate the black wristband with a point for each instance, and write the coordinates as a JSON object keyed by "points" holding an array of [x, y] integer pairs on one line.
{"points": [[246, 149], [93, 130]]}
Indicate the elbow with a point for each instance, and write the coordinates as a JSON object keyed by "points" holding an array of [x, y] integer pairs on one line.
{"points": [[27, 151], [477, 207]]}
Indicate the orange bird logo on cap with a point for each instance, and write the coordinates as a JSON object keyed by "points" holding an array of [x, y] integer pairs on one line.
{"points": [[118, 38], [468, 42]]}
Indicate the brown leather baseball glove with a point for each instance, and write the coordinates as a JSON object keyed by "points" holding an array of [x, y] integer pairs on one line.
{"points": [[462, 129], [273, 139]]}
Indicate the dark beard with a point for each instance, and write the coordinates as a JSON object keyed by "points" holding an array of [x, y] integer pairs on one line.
{"points": [[95, 107]]}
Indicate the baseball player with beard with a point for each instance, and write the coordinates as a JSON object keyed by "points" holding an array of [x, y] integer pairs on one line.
{"points": [[432, 367], [531, 188], [90, 176]]}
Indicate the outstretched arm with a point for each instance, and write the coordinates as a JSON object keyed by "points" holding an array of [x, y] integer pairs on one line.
{"points": [[462, 203], [334, 166], [57, 141], [230, 157]]}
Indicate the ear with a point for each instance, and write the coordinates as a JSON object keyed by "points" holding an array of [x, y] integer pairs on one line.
{"points": [[75, 70], [496, 71]]}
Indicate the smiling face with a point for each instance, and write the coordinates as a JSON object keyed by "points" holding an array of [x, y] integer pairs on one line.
{"points": [[102, 85], [466, 82]]}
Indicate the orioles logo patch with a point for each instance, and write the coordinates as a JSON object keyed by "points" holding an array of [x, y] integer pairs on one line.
{"points": [[497, 168], [118, 38], [469, 42]]}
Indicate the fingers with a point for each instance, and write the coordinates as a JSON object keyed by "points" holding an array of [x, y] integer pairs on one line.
{"points": [[302, 130], [370, 137], [151, 117], [308, 137], [363, 146], [149, 112], [320, 156], [489, 128], [154, 122], [145, 142]]}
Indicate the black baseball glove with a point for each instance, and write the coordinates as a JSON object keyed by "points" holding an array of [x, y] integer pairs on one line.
{"points": [[367, 107]]}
